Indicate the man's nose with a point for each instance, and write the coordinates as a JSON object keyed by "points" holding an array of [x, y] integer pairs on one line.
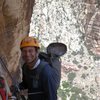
{"points": [[27, 53]]}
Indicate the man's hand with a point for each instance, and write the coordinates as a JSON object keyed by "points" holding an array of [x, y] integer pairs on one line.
{"points": [[24, 92]]}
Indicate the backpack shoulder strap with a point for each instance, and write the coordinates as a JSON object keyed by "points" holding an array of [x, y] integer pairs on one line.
{"points": [[41, 67]]}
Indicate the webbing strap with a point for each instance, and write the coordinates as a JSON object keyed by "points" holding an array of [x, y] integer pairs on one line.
{"points": [[36, 93], [41, 66]]}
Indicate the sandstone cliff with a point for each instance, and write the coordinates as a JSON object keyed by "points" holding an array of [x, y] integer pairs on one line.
{"points": [[77, 24], [15, 18]]}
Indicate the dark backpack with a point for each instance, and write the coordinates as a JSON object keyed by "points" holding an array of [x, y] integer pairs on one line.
{"points": [[54, 52]]}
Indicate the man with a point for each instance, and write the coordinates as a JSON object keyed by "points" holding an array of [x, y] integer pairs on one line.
{"points": [[38, 76]]}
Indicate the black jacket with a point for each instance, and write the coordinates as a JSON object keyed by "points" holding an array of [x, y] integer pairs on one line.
{"points": [[40, 82]]}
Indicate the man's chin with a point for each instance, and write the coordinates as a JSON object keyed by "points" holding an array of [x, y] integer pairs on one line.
{"points": [[29, 62]]}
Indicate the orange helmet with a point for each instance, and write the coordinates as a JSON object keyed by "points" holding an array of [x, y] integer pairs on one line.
{"points": [[29, 41]]}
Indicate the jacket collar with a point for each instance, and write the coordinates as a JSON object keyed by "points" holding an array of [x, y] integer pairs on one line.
{"points": [[36, 65]]}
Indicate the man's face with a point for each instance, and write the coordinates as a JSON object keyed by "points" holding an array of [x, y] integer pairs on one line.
{"points": [[29, 54]]}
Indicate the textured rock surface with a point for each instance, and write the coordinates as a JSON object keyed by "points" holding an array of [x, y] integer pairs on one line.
{"points": [[15, 18], [77, 24]]}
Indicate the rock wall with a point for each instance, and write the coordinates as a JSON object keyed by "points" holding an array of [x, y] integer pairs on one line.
{"points": [[15, 18], [77, 24]]}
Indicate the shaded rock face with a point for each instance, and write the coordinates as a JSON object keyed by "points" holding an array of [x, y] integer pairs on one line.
{"points": [[15, 18]]}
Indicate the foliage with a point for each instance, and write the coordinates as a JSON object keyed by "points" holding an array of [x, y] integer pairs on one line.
{"points": [[67, 90], [71, 76]]}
